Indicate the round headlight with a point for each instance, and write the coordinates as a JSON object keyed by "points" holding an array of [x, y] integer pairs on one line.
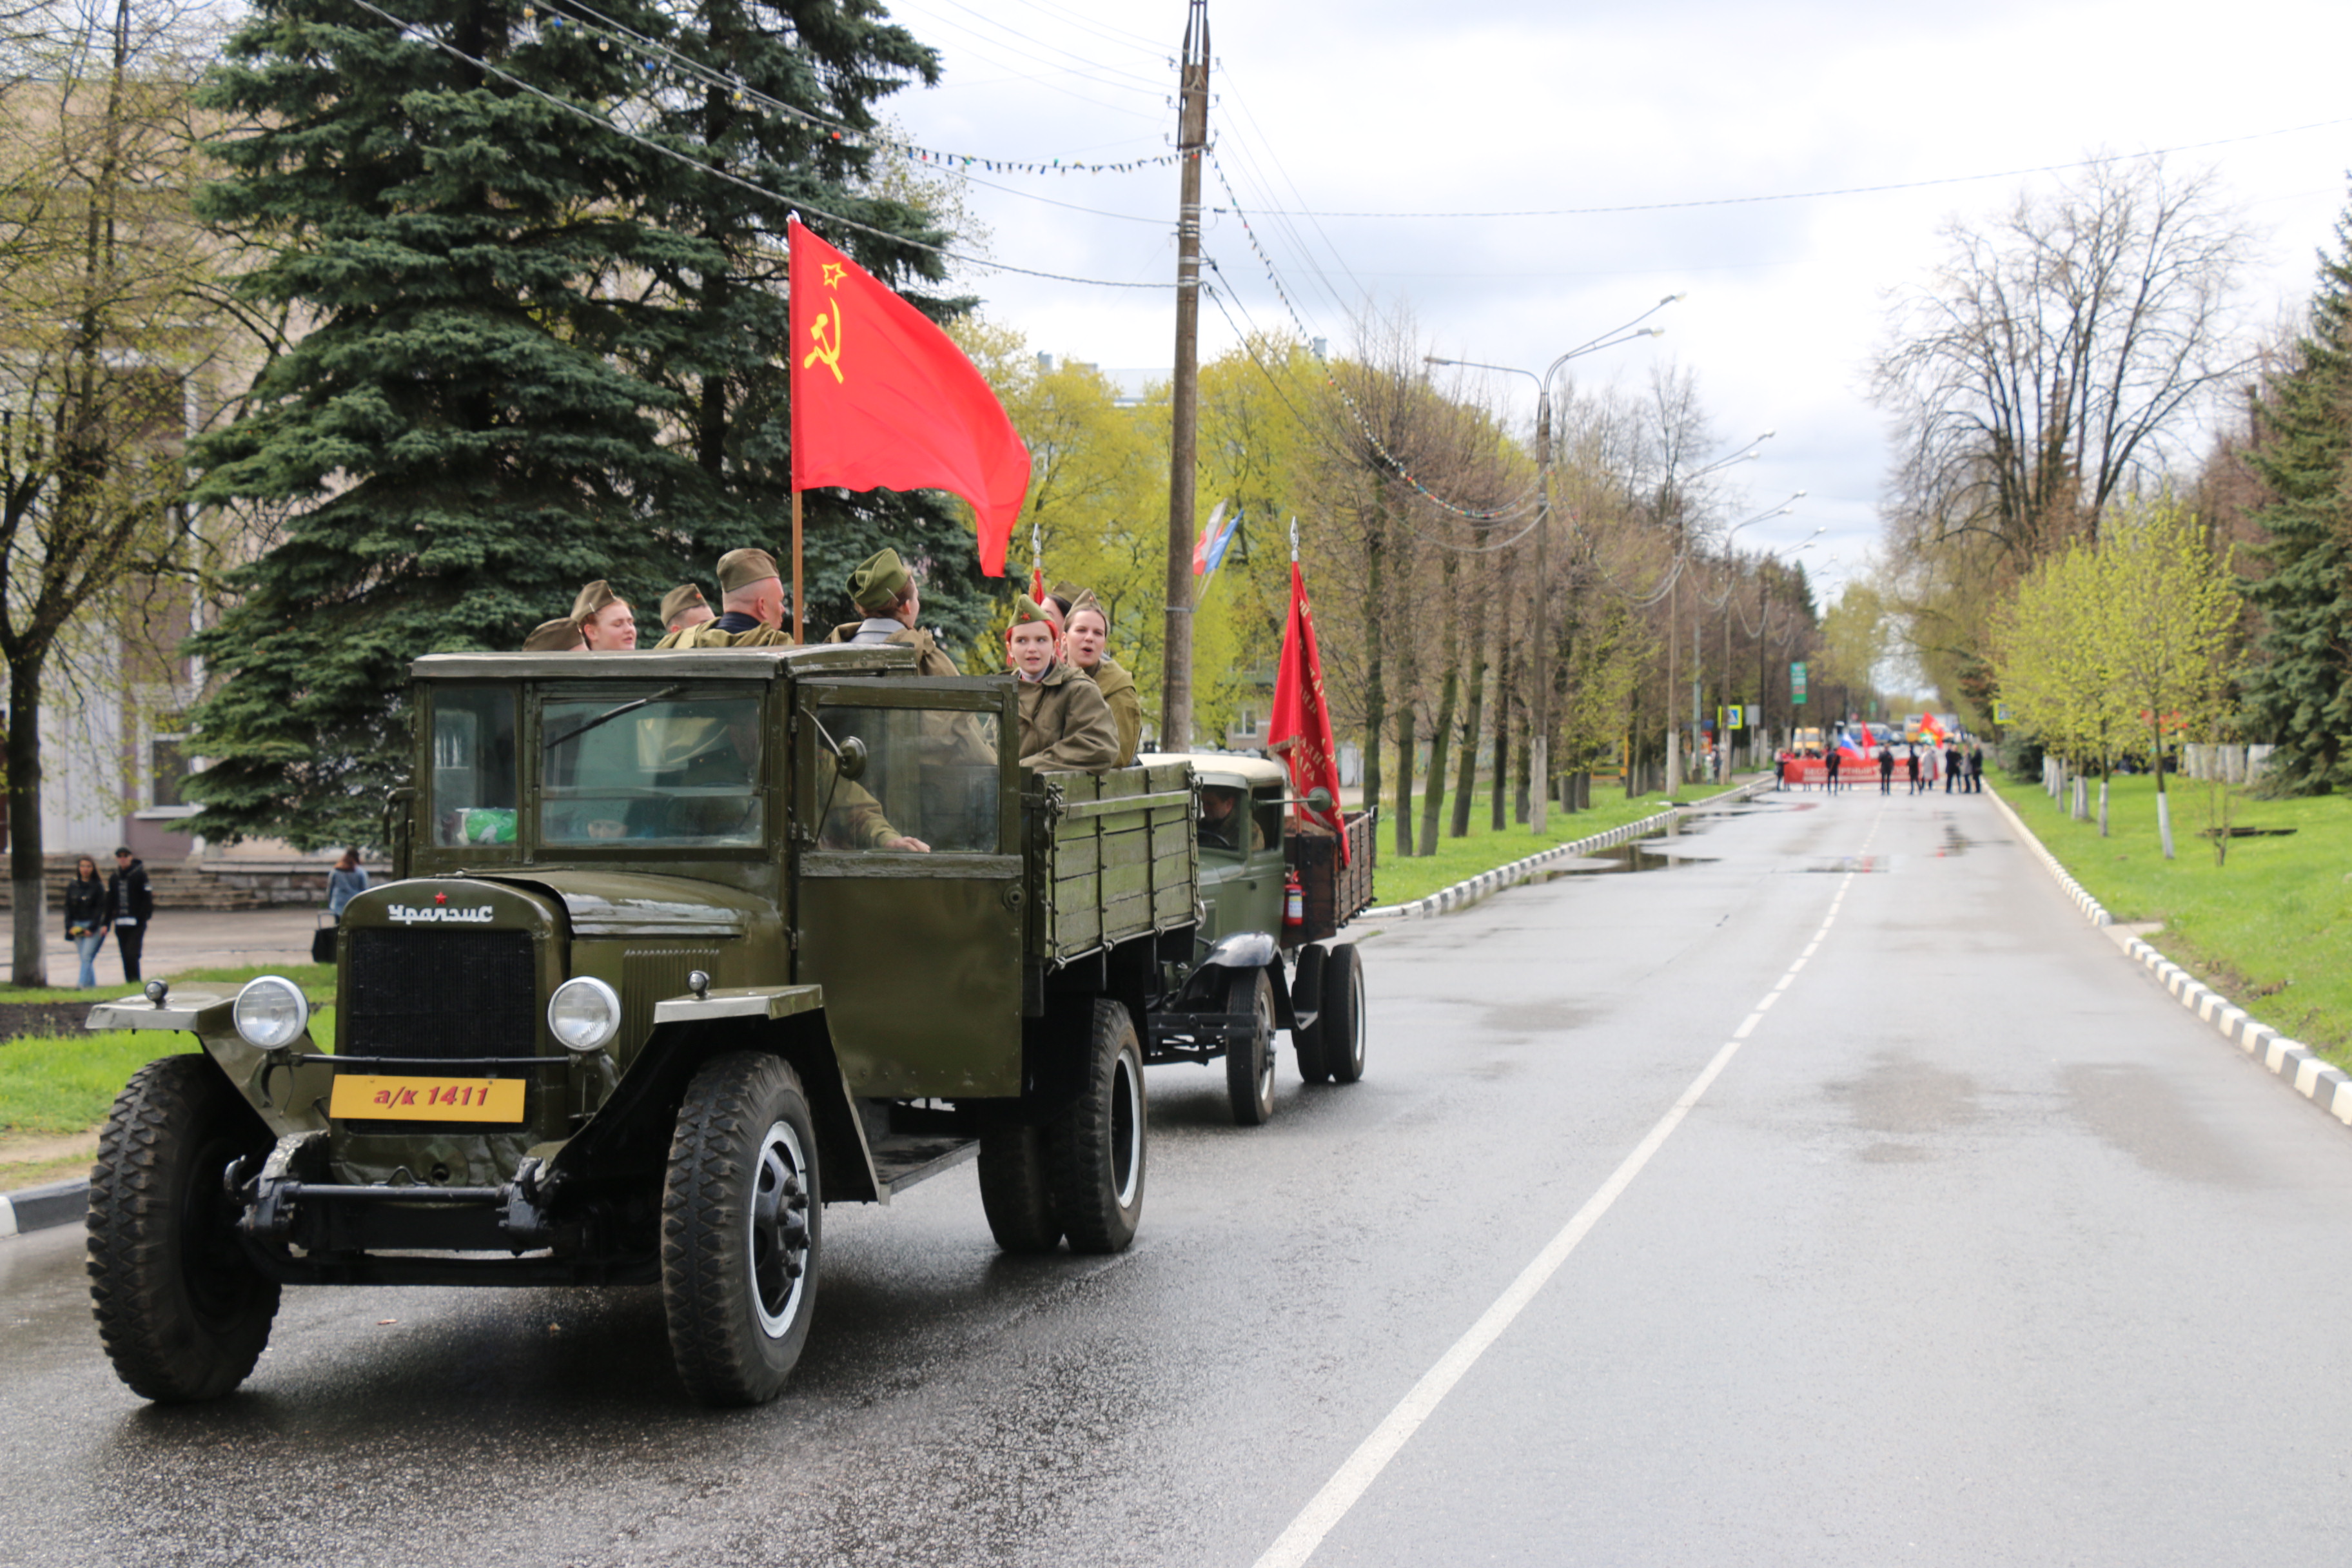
{"points": [[584, 1015], [271, 1013]]}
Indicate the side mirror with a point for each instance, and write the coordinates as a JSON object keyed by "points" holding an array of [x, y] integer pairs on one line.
{"points": [[852, 757]]}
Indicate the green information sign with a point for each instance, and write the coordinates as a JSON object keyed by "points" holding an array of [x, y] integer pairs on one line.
{"points": [[1796, 683]]}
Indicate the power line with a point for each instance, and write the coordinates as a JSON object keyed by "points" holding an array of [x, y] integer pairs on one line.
{"points": [[1848, 190], [410, 29]]}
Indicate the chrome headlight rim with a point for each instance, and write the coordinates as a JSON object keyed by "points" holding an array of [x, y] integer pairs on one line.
{"points": [[270, 1035], [589, 1035]]}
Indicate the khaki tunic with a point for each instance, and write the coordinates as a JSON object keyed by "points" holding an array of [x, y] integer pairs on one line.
{"points": [[929, 660], [708, 634], [1118, 688], [1065, 723]]}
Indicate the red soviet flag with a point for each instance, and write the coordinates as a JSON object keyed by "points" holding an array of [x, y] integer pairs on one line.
{"points": [[881, 396], [1299, 729]]}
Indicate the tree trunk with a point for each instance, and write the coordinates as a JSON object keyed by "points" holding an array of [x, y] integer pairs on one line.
{"points": [[1466, 782], [1406, 743], [1441, 734], [1376, 699], [29, 966], [1503, 714]]}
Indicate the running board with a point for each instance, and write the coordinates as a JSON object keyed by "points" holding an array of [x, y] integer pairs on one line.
{"points": [[901, 1160]]}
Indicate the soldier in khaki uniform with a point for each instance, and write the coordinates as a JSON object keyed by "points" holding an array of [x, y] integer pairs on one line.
{"points": [[684, 606], [1064, 721], [893, 601], [1085, 630], [555, 637], [604, 619], [753, 594]]}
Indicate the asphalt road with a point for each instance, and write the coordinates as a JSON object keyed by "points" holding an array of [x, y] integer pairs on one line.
{"points": [[1970, 1245]]}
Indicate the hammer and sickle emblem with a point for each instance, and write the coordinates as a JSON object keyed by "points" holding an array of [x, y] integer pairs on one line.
{"points": [[826, 328]]}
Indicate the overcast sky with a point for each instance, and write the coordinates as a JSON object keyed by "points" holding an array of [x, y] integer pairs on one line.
{"points": [[1488, 106]]}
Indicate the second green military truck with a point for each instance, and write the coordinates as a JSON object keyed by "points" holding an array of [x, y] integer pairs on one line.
{"points": [[684, 946]]}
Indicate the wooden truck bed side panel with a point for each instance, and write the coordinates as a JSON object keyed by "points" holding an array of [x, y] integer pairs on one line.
{"points": [[1333, 893], [1115, 858]]}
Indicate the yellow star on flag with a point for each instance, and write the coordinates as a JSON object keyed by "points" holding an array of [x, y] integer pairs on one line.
{"points": [[832, 270]]}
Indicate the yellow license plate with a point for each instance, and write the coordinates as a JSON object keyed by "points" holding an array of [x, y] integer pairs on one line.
{"points": [[368, 1096]]}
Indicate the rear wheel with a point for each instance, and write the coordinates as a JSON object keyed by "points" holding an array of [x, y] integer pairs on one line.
{"points": [[1014, 1193], [741, 1217], [182, 1311], [1249, 1064], [1342, 1024], [1093, 1146], [1307, 995]]}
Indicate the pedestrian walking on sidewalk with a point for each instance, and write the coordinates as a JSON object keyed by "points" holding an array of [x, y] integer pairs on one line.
{"points": [[1834, 769], [1976, 770], [1911, 763], [86, 917], [130, 905], [347, 881], [1885, 768]]}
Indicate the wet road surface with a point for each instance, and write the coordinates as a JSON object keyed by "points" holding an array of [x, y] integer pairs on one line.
{"points": [[1975, 1247]]}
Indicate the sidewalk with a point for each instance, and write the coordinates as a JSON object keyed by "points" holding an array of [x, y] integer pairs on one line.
{"points": [[180, 940]]}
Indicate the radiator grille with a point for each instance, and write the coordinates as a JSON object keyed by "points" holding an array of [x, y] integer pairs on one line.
{"points": [[442, 994]]}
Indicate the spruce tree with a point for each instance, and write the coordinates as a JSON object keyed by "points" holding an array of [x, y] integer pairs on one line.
{"points": [[781, 99], [2299, 694], [539, 350]]}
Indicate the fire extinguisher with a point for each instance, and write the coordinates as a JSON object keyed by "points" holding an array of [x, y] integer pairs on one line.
{"points": [[1294, 900]]}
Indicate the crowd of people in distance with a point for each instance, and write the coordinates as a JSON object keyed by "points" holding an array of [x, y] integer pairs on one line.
{"points": [[1078, 708], [1957, 765]]}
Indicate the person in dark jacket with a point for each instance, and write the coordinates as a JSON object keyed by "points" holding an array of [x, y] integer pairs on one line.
{"points": [[130, 905], [86, 917]]}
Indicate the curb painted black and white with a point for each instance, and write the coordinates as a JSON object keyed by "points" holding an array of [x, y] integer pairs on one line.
{"points": [[1487, 883], [2326, 1087], [37, 1209]]}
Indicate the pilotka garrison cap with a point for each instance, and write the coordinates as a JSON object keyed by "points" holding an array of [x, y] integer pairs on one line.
{"points": [[741, 568], [679, 600], [592, 598], [878, 581], [553, 637]]}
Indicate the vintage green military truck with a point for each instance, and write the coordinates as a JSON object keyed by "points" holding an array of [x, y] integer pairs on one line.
{"points": [[1257, 969], [684, 946]]}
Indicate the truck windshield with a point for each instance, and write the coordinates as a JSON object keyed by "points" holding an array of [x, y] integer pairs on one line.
{"points": [[927, 775], [474, 766], [675, 772]]}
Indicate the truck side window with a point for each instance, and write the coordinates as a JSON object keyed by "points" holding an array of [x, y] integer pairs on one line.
{"points": [[933, 773], [474, 766]]}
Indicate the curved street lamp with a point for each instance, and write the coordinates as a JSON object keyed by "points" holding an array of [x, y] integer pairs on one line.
{"points": [[1539, 745]]}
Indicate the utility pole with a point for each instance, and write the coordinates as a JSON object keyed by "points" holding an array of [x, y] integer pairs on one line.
{"points": [[1539, 743], [1191, 139]]}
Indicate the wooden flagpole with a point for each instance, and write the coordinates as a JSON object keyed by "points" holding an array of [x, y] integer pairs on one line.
{"points": [[796, 564]]}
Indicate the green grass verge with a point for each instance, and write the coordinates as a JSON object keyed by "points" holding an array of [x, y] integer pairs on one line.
{"points": [[1398, 881], [64, 1084], [2264, 927], [317, 979]]}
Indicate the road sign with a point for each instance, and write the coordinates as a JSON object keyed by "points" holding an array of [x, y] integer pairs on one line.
{"points": [[2000, 712], [1796, 682], [1736, 716]]}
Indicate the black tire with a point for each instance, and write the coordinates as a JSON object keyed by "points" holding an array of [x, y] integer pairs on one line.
{"points": [[182, 1310], [1095, 1145], [1249, 1064], [1014, 1192], [742, 1214], [1342, 1024], [1309, 1042]]}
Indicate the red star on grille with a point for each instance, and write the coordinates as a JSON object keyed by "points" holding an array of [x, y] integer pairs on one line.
{"points": [[440, 898]]}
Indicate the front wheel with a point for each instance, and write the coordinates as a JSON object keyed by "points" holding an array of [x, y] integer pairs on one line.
{"points": [[741, 1219], [1249, 1064], [1342, 1024], [1093, 1146], [181, 1310]]}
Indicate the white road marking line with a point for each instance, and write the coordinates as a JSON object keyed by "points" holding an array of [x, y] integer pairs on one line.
{"points": [[1356, 1475]]}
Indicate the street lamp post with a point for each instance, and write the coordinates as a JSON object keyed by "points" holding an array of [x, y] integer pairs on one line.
{"points": [[1674, 614], [1539, 742]]}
